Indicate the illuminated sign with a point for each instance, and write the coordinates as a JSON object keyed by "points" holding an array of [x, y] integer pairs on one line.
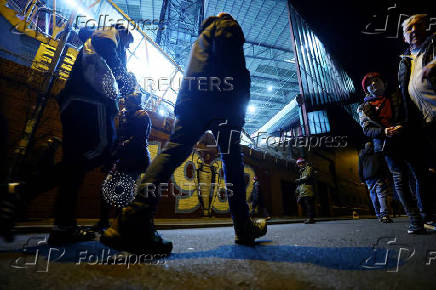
{"points": [[44, 57]]}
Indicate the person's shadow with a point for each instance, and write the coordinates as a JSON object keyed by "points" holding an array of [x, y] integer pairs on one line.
{"points": [[340, 258]]}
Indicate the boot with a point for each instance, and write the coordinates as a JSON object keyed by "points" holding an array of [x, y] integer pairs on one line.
{"points": [[247, 231], [133, 231], [309, 221], [73, 234]]}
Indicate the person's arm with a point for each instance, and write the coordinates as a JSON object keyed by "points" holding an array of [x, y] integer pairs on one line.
{"points": [[142, 128], [106, 46], [370, 127], [307, 174]]}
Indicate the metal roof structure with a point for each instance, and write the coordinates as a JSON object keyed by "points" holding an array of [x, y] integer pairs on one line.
{"points": [[268, 49], [284, 63]]}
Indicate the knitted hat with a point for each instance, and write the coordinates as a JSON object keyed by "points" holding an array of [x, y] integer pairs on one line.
{"points": [[300, 160], [367, 77]]}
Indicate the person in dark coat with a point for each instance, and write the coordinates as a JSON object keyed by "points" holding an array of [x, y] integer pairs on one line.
{"points": [[131, 156], [88, 106], [304, 191], [213, 96], [372, 172], [386, 121]]}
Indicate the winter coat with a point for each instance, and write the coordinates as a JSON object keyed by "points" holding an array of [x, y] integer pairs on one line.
{"points": [[305, 183], [371, 165], [373, 128], [217, 53]]}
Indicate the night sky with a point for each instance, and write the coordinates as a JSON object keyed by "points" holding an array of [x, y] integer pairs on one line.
{"points": [[340, 26]]}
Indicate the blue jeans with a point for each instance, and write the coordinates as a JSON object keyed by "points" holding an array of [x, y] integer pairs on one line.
{"points": [[378, 192], [401, 165], [225, 120]]}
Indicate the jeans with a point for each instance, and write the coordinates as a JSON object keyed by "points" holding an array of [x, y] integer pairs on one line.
{"points": [[401, 164], [378, 192], [225, 120]]}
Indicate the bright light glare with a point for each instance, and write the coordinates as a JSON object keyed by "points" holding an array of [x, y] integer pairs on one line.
{"points": [[251, 109], [161, 112], [269, 88], [152, 69]]}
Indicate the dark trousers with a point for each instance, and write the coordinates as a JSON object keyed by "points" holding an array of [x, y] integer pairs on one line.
{"points": [[225, 119], [308, 203], [88, 133]]}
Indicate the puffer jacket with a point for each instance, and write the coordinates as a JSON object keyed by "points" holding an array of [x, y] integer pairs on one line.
{"points": [[305, 183]]}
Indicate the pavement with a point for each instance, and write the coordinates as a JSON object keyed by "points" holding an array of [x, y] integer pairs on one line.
{"points": [[42, 225], [338, 254]]}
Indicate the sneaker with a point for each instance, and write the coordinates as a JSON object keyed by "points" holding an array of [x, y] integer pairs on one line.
{"points": [[415, 230], [133, 231], [386, 220], [9, 201], [248, 231], [67, 235], [309, 221]]}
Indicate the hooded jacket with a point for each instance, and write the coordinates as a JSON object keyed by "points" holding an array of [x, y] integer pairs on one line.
{"points": [[217, 52], [305, 182], [106, 43]]}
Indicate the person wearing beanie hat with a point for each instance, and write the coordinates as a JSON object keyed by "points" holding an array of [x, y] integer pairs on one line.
{"points": [[304, 191], [383, 119]]}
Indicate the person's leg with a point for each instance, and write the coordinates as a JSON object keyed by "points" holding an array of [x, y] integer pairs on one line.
{"points": [[381, 189], [422, 187], [134, 230], [187, 133], [398, 169], [372, 187], [66, 200], [228, 138], [310, 207]]}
